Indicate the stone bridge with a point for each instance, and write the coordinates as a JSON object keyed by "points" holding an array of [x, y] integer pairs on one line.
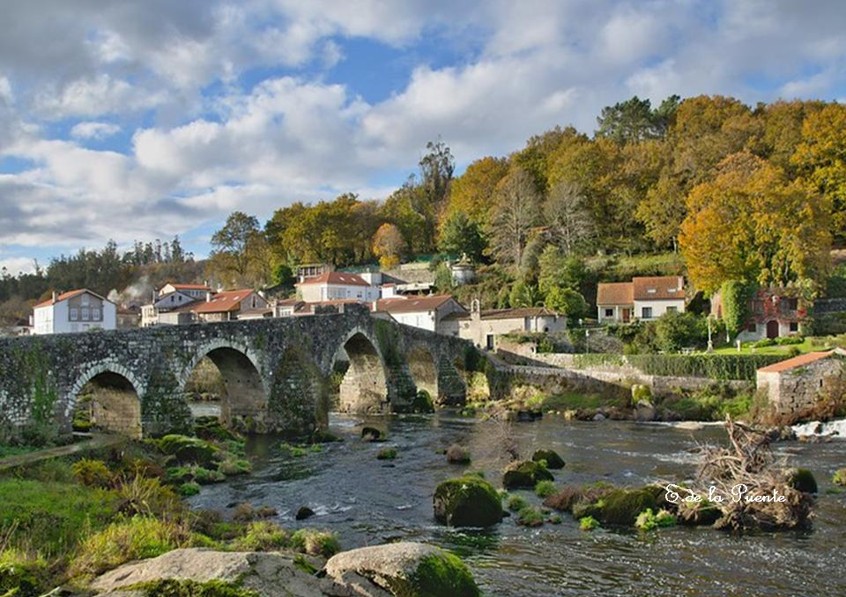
{"points": [[277, 373]]}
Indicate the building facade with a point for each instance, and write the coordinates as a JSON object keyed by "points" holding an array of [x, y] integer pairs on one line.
{"points": [[644, 298], [74, 311]]}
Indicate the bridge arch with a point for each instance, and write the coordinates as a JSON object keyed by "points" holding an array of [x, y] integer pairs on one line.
{"points": [[244, 404], [114, 403], [364, 388], [424, 370]]}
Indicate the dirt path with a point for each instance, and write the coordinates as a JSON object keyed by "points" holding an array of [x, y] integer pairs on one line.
{"points": [[97, 441]]}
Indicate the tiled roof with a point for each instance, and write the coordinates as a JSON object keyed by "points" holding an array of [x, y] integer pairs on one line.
{"points": [[189, 286], [222, 302], [615, 293], [799, 361], [68, 295], [516, 313], [335, 278], [658, 288], [412, 304]]}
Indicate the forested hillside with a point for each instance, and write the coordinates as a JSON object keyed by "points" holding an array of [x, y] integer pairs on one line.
{"points": [[738, 193]]}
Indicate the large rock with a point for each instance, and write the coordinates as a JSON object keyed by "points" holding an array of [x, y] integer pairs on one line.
{"points": [[467, 502], [407, 569], [269, 574], [551, 457], [524, 474]]}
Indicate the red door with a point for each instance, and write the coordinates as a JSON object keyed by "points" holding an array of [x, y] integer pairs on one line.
{"points": [[772, 329]]}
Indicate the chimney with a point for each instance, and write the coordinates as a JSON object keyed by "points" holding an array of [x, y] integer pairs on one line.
{"points": [[55, 296], [208, 296]]}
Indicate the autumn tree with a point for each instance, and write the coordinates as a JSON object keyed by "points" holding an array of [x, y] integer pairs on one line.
{"points": [[752, 224], [389, 246], [472, 192], [567, 219], [514, 217], [240, 252]]}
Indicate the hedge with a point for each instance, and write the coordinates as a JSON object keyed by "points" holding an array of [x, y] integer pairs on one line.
{"points": [[719, 367]]}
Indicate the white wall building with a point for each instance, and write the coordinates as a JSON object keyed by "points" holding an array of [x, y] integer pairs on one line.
{"points": [[74, 311], [335, 286], [645, 298], [426, 312]]}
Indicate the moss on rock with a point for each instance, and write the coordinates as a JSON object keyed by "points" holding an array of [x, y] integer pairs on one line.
{"points": [[467, 501], [524, 473], [803, 480], [551, 457]]}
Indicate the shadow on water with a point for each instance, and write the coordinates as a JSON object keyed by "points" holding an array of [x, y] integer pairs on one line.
{"points": [[369, 501]]}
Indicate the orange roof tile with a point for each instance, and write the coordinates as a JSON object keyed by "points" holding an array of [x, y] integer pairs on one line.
{"points": [[412, 304], [615, 293], [222, 302], [67, 295], [335, 278], [658, 288], [799, 361], [190, 286]]}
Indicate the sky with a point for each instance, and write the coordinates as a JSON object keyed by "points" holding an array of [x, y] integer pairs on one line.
{"points": [[144, 119]]}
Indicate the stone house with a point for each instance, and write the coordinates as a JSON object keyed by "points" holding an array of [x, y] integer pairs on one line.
{"points": [[772, 312], [644, 298], [483, 327], [74, 311], [796, 384]]}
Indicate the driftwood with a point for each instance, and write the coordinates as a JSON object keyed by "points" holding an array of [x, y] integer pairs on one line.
{"points": [[747, 484]]}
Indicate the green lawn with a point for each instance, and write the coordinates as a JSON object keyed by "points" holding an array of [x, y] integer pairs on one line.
{"points": [[813, 344]]}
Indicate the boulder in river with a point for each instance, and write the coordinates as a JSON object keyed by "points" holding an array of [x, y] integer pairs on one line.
{"points": [[524, 474], [304, 512], [467, 501], [371, 434], [406, 568], [457, 454], [551, 457]]}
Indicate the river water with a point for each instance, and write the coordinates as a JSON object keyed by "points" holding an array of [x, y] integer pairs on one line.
{"points": [[368, 501]]}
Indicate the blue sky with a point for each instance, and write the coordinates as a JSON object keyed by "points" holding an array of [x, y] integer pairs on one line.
{"points": [[146, 119]]}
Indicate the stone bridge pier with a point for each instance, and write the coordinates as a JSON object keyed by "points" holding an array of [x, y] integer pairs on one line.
{"points": [[277, 373]]}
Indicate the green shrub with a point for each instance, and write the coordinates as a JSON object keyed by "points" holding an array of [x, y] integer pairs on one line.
{"points": [[422, 403], [261, 536], [787, 340], [189, 489], [649, 520], [530, 517], [315, 543], [839, 477], [136, 538], [516, 503], [91, 473], [712, 366], [190, 450], [588, 523], [544, 488], [22, 575]]}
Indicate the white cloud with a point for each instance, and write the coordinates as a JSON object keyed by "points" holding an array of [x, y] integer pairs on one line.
{"points": [[17, 265], [94, 130]]}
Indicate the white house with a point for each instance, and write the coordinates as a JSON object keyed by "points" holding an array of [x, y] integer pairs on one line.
{"points": [[426, 312], [331, 286], [74, 311], [195, 291], [168, 303], [643, 298]]}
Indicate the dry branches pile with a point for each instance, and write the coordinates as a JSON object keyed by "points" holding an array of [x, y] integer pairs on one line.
{"points": [[747, 484]]}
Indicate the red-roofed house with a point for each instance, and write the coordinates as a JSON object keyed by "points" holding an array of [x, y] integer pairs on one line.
{"points": [[643, 298], [426, 312], [795, 385], [229, 305], [333, 286], [74, 311], [483, 327]]}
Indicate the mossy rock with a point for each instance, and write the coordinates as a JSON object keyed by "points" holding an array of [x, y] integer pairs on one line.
{"points": [[551, 457], [620, 507], [524, 474], [422, 403], [190, 450], [801, 479], [407, 570], [702, 513], [467, 501], [211, 429], [457, 454], [839, 477], [371, 434]]}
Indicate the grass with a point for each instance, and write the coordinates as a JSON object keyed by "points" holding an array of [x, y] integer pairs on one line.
{"points": [[575, 401], [813, 344], [6, 451], [622, 268]]}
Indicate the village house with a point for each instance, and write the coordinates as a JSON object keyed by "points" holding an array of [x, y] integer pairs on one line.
{"points": [[771, 313], [796, 385], [483, 327], [425, 312], [336, 286], [644, 298], [230, 305], [168, 306], [74, 311]]}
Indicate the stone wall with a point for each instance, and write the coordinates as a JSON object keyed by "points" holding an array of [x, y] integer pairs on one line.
{"points": [[276, 370], [799, 389]]}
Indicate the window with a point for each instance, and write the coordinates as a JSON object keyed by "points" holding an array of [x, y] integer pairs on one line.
{"points": [[792, 304], [95, 314], [646, 313], [757, 307], [609, 312], [672, 309], [794, 326], [752, 328], [74, 314], [86, 314]]}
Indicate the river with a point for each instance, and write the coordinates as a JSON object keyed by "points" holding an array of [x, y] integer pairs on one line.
{"points": [[368, 501]]}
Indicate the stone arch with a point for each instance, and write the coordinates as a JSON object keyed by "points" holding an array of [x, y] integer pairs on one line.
{"points": [[364, 388], [244, 405], [115, 402], [424, 370]]}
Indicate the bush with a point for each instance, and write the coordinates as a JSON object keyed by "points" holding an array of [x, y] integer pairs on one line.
{"points": [[189, 489], [316, 543], [516, 503], [91, 473], [713, 366], [261, 536], [839, 477], [22, 575], [530, 517], [137, 538], [649, 521], [544, 489], [588, 523]]}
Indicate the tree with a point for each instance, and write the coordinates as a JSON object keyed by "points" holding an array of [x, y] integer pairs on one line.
{"points": [[460, 235], [515, 215], [634, 120], [567, 219], [674, 331], [559, 271], [436, 169], [524, 295], [735, 295], [389, 246], [240, 252], [566, 301], [472, 192], [752, 224]]}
